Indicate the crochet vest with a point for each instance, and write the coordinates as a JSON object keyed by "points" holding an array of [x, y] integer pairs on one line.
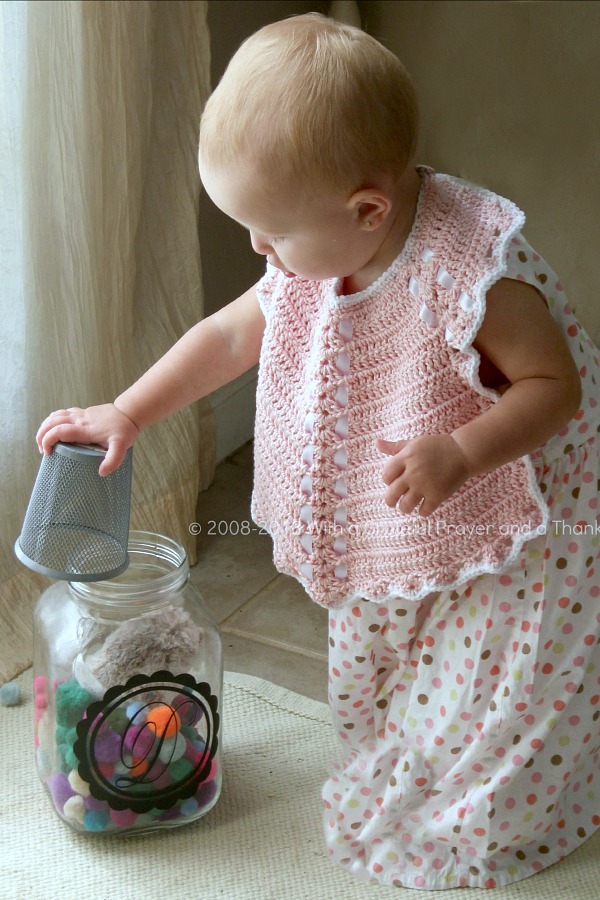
{"points": [[393, 361]]}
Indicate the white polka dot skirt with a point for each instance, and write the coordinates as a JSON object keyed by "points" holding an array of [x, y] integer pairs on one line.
{"points": [[470, 722]]}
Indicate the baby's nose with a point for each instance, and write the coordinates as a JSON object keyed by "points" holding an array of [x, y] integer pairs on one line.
{"points": [[260, 244]]}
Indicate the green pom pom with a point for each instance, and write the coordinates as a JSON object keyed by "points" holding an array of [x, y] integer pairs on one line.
{"points": [[118, 721], [71, 703]]}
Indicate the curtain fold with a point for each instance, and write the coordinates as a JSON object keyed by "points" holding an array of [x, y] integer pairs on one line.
{"points": [[100, 105]]}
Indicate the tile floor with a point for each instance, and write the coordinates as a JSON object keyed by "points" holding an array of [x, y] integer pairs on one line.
{"points": [[269, 626]]}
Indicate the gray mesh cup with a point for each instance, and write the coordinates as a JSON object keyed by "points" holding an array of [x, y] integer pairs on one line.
{"points": [[76, 526]]}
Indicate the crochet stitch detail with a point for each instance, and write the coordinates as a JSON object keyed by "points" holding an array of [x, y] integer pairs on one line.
{"points": [[394, 361]]}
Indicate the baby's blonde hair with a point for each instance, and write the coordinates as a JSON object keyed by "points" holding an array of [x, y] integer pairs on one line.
{"points": [[314, 101]]}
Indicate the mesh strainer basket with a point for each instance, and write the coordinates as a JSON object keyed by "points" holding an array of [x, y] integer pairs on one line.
{"points": [[76, 526]]}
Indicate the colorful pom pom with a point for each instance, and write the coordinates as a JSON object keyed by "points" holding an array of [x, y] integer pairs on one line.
{"points": [[165, 719], [74, 809], [10, 694], [71, 703]]}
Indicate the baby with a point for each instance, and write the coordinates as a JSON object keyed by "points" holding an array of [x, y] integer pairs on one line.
{"points": [[425, 460]]}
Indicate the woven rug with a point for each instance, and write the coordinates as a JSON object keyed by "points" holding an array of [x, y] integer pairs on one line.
{"points": [[262, 841]]}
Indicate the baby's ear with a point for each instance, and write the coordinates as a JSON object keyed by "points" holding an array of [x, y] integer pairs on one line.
{"points": [[371, 206]]}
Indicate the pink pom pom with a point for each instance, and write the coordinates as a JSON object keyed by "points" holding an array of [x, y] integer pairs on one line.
{"points": [[124, 818]]}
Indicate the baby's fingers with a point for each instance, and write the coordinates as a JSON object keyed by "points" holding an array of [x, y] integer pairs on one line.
{"points": [[401, 496], [67, 433], [394, 467], [114, 457], [56, 427], [50, 422]]}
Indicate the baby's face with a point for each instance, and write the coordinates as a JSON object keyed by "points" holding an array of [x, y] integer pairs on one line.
{"points": [[315, 236]]}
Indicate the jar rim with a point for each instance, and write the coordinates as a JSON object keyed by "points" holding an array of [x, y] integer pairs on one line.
{"points": [[165, 553]]}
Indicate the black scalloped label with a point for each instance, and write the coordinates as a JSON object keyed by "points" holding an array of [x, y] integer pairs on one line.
{"points": [[150, 743]]}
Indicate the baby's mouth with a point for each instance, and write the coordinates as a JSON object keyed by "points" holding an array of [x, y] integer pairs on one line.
{"points": [[278, 265]]}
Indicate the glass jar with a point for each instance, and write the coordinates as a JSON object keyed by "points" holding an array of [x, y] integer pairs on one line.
{"points": [[128, 682]]}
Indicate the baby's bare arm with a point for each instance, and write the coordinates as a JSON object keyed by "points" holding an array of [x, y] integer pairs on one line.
{"points": [[524, 343], [520, 337], [210, 354], [213, 352]]}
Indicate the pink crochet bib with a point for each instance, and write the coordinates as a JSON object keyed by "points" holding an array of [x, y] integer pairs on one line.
{"points": [[394, 361]]}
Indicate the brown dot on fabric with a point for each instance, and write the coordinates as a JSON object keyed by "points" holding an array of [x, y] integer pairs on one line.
{"points": [[374, 628], [427, 659], [520, 854], [542, 278], [561, 563], [544, 849], [575, 492], [576, 608], [526, 648], [582, 832], [556, 760], [381, 704], [349, 726], [331, 642], [521, 594], [423, 699], [360, 659], [522, 255]]}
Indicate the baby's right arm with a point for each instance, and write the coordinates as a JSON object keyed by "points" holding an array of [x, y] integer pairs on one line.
{"points": [[211, 353]]}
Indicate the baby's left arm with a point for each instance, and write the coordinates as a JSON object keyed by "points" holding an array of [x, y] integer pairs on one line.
{"points": [[519, 338]]}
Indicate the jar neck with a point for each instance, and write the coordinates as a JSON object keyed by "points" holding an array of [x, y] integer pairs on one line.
{"points": [[158, 572]]}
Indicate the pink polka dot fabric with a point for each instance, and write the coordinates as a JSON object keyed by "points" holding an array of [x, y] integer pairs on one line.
{"points": [[469, 721]]}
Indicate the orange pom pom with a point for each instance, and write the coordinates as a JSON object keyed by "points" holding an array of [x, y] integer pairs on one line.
{"points": [[165, 719]]}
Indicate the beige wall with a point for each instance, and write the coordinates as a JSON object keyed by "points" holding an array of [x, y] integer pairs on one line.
{"points": [[510, 98]]}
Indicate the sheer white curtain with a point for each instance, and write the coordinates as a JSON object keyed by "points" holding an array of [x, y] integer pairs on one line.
{"points": [[100, 264]]}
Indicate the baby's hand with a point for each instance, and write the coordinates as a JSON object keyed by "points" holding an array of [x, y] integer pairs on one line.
{"points": [[103, 425], [422, 472]]}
